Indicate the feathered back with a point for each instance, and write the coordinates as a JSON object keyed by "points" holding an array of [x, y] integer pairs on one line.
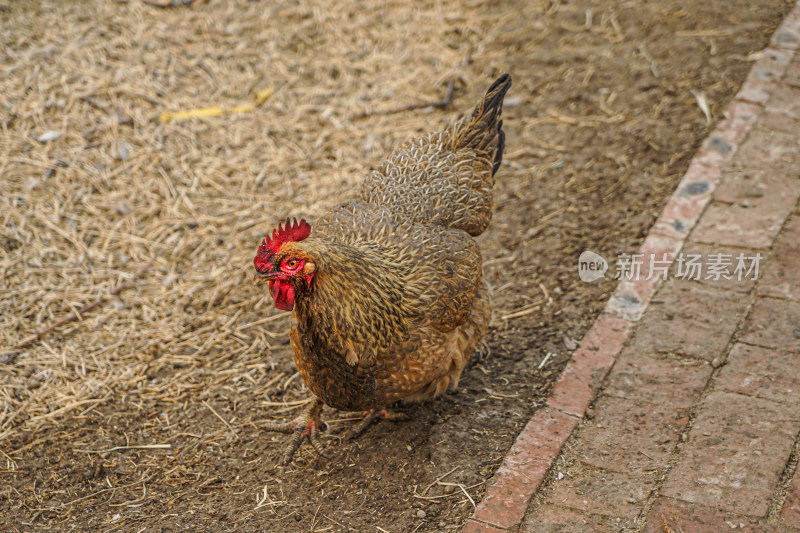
{"points": [[446, 178]]}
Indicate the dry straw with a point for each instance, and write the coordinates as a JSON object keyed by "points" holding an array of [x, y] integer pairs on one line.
{"points": [[134, 236]]}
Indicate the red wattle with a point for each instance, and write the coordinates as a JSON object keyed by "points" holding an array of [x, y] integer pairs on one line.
{"points": [[282, 295]]}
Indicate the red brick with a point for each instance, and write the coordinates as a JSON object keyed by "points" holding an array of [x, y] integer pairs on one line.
{"points": [[774, 324], [524, 468], [669, 514], [680, 215], [656, 251], [755, 90], [779, 122], [571, 393], [731, 280], [759, 189], [630, 299], [630, 437], [735, 225], [793, 73], [632, 296], [554, 519], [659, 381], [473, 526], [688, 201], [788, 34], [606, 336], [699, 173], [764, 75], [762, 373], [785, 99], [781, 273], [507, 499], [690, 320], [721, 145], [773, 63], [791, 507], [740, 116], [768, 149], [716, 150], [540, 440], [735, 454], [601, 492], [575, 387]]}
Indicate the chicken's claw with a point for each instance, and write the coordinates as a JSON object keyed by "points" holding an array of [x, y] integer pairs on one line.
{"points": [[372, 415], [306, 426]]}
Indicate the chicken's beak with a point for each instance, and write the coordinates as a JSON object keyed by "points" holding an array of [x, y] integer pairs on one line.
{"points": [[260, 279]]}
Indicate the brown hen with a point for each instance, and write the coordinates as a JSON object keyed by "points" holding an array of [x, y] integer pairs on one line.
{"points": [[386, 293]]}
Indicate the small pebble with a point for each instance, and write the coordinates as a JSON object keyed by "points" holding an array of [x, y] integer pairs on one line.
{"points": [[421, 514], [716, 362], [571, 344], [48, 136], [123, 151]]}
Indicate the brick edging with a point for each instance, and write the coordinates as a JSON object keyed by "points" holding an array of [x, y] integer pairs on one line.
{"points": [[538, 445]]}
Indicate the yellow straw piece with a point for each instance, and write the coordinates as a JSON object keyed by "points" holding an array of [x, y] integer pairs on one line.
{"points": [[261, 97]]}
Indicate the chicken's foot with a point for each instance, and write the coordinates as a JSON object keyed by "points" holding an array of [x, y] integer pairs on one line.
{"points": [[304, 427], [374, 414]]}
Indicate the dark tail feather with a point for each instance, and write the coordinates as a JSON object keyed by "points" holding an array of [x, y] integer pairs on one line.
{"points": [[482, 130], [493, 101]]}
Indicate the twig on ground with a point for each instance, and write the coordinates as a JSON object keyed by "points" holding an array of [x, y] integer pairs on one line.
{"points": [[460, 486], [132, 447], [287, 404], [440, 496], [222, 419], [532, 308], [440, 104], [92, 495], [171, 4], [544, 361], [438, 479]]}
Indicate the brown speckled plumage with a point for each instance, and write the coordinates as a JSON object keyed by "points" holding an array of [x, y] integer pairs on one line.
{"points": [[397, 305]]}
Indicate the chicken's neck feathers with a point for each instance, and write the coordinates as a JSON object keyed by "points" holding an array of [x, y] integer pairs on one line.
{"points": [[356, 300]]}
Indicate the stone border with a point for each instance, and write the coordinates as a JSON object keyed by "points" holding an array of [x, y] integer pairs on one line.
{"points": [[538, 445]]}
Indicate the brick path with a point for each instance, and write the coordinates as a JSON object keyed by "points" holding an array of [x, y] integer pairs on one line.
{"points": [[680, 410]]}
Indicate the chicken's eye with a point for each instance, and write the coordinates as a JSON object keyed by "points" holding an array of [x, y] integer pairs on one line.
{"points": [[291, 263]]}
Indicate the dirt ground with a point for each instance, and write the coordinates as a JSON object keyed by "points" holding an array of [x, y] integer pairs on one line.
{"points": [[191, 360]]}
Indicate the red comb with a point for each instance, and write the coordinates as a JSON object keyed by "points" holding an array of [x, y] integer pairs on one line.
{"points": [[292, 232]]}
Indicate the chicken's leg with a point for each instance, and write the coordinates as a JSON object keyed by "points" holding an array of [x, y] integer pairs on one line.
{"points": [[305, 426], [374, 414]]}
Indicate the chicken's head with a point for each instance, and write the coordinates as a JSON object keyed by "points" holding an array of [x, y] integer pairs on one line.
{"points": [[286, 268]]}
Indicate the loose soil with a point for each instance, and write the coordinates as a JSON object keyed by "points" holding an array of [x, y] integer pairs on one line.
{"points": [[601, 122]]}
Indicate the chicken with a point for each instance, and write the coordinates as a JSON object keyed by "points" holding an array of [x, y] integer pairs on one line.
{"points": [[386, 292]]}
